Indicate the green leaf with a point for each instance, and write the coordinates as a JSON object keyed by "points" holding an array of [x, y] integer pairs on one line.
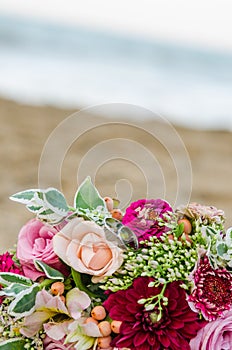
{"points": [[6, 278], [179, 230], [34, 208], [24, 303], [211, 231], [13, 289], [79, 284], [24, 197], [222, 249], [49, 204], [116, 202], [13, 344], [55, 199], [49, 271], [87, 196]]}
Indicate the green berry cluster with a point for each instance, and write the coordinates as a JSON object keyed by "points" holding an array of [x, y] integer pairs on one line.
{"points": [[165, 259]]}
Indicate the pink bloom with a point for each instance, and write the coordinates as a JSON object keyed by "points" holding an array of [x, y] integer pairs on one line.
{"points": [[205, 214], [47, 306], [141, 217], [212, 292], [35, 243], [51, 344], [7, 264], [216, 335], [140, 329]]}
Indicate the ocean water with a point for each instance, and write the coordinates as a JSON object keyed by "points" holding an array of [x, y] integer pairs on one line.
{"points": [[53, 64]]}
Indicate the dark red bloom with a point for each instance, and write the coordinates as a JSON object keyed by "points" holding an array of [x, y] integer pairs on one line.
{"points": [[140, 330], [141, 217], [7, 264]]}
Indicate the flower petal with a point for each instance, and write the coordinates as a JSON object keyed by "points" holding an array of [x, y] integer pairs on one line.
{"points": [[34, 323], [91, 329], [56, 331], [76, 302]]}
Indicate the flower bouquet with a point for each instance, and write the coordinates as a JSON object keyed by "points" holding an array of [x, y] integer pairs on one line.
{"points": [[92, 277]]}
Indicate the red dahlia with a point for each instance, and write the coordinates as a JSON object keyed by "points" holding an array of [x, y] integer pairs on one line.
{"points": [[140, 330]]}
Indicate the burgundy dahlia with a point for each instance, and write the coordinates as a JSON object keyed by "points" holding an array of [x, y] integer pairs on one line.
{"points": [[141, 217], [7, 264], [212, 293], [140, 329]]}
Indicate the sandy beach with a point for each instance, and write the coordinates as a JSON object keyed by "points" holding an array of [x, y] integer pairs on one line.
{"points": [[25, 129]]}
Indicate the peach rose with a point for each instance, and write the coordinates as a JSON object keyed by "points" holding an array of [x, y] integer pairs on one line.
{"points": [[83, 246]]}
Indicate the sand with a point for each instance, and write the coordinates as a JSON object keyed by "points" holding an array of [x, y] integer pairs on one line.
{"points": [[147, 164]]}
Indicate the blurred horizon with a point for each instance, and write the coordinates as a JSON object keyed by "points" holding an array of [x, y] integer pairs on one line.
{"points": [[195, 23], [48, 63]]}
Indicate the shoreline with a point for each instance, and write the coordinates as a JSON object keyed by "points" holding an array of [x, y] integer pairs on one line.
{"points": [[25, 129]]}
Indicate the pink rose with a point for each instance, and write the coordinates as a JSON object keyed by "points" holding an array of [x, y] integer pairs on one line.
{"points": [[35, 243], [216, 335], [83, 246]]}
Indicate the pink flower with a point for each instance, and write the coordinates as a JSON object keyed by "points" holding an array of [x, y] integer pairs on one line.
{"points": [[48, 306], [51, 344], [83, 246], [35, 243], [206, 215], [216, 335], [7, 264], [212, 292], [141, 329], [141, 217]]}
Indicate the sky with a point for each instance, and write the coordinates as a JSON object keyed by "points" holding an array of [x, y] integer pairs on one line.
{"points": [[205, 23]]}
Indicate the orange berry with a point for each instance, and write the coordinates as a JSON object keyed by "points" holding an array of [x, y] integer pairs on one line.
{"points": [[62, 298], [57, 288], [187, 225], [115, 326], [91, 319], [104, 342], [116, 214], [104, 328], [109, 203], [98, 312]]}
